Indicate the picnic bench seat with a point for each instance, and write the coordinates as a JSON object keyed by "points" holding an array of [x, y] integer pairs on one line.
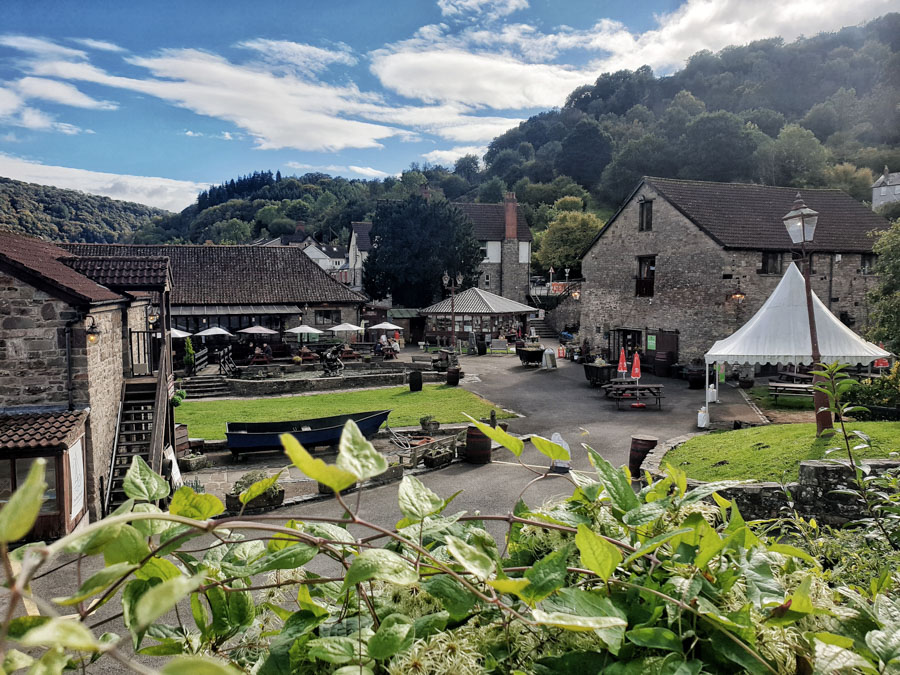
{"points": [[793, 376], [499, 346], [777, 389], [633, 392]]}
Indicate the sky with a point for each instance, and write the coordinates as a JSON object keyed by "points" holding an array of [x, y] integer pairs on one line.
{"points": [[153, 101]]}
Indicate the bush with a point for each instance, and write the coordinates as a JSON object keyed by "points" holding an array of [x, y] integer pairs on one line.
{"points": [[876, 392], [251, 477]]}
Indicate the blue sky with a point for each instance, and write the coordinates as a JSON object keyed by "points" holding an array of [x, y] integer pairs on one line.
{"points": [[152, 101]]}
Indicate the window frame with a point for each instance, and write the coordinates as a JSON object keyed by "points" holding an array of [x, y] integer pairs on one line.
{"points": [[321, 320], [646, 273], [867, 263], [778, 256], [645, 215]]}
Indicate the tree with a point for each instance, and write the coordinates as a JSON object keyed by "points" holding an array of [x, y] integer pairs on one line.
{"points": [[585, 153], [281, 226], [492, 191], [565, 240], [851, 179], [414, 242], [232, 231], [798, 158], [716, 146], [885, 315]]}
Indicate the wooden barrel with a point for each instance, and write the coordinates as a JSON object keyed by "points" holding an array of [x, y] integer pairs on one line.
{"points": [[452, 377], [415, 380], [640, 447], [478, 447]]}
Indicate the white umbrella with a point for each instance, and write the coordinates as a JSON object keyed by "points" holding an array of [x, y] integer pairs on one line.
{"points": [[258, 330], [179, 333], [345, 328], [304, 329], [215, 330], [385, 325]]}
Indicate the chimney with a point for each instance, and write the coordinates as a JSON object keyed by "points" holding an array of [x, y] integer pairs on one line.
{"points": [[301, 227], [511, 210]]}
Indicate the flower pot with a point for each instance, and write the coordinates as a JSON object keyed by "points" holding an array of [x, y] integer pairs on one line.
{"points": [[746, 384], [264, 501], [193, 463], [431, 428], [436, 460]]}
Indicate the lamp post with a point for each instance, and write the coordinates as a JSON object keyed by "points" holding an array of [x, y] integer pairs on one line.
{"points": [[800, 223], [452, 284]]}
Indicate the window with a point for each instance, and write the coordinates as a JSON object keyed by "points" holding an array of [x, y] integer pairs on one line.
{"points": [[771, 263], [867, 263], [883, 191], [646, 275], [897, 189], [645, 217], [327, 316], [487, 281], [10, 481], [484, 253]]}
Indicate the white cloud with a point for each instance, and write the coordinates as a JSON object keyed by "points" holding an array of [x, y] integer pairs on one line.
{"points": [[193, 134], [368, 171], [40, 47], [449, 157], [101, 45], [59, 92], [303, 56], [491, 8], [10, 138], [164, 193], [324, 168], [226, 136], [10, 102]]}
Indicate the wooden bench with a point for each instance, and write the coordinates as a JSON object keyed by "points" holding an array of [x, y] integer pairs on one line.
{"points": [[499, 345], [777, 389], [633, 393], [795, 377]]}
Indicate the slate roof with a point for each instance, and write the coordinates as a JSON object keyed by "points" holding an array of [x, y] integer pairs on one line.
{"points": [[477, 301], [236, 275], [745, 216], [31, 431], [490, 221], [42, 261], [886, 179], [363, 241], [129, 272]]}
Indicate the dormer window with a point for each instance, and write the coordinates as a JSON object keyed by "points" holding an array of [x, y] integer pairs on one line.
{"points": [[645, 216]]}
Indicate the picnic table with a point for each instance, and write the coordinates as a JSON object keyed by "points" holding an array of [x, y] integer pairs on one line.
{"points": [[777, 389], [794, 376], [633, 392]]}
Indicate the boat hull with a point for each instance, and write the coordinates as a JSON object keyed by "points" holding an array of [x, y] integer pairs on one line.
{"points": [[322, 431]]}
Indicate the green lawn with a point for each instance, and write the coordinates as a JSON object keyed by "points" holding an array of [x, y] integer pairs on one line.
{"points": [[772, 452], [206, 419], [760, 396]]}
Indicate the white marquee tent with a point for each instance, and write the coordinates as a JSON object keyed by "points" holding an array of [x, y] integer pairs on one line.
{"points": [[779, 333]]}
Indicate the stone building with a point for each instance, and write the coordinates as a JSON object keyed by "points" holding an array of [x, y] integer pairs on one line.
{"points": [[235, 287], [358, 251], [886, 189], [685, 263], [67, 360]]}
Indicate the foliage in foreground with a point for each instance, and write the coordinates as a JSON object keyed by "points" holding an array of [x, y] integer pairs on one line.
{"points": [[606, 580]]}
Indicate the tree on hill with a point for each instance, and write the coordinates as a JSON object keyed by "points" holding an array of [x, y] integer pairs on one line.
{"points": [[585, 153], [565, 240], [885, 316], [414, 242]]}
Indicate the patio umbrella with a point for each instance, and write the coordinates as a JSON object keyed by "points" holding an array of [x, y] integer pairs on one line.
{"points": [[345, 328], [300, 330], [623, 365], [258, 330], [385, 325], [215, 330], [179, 333], [636, 375]]}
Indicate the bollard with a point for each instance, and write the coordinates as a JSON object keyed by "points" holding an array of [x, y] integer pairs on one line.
{"points": [[640, 448]]}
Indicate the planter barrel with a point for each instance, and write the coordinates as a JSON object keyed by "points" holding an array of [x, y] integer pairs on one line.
{"points": [[640, 448], [415, 380], [452, 377], [478, 447]]}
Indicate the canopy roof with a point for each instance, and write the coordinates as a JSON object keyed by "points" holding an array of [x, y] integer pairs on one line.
{"points": [[304, 329], [386, 325], [477, 301], [779, 332]]}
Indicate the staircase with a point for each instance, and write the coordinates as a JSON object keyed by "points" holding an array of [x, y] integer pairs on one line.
{"points": [[202, 386], [135, 427], [542, 330]]}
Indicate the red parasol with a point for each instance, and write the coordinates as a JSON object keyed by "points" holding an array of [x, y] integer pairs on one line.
{"points": [[623, 366], [636, 367]]}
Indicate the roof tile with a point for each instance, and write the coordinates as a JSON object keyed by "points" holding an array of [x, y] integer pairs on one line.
{"points": [[30, 431], [490, 221], [123, 272]]}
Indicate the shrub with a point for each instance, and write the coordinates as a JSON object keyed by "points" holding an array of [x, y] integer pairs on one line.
{"points": [[251, 477]]}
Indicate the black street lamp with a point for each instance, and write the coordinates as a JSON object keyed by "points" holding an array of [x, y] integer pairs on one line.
{"points": [[800, 222], [449, 283]]}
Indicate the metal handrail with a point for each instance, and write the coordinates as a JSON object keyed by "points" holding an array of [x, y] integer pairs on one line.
{"points": [[115, 451]]}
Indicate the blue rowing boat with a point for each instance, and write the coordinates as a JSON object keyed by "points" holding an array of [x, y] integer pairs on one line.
{"points": [[321, 431]]}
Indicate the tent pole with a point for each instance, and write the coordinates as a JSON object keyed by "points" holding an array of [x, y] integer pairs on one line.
{"points": [[706, 390]]}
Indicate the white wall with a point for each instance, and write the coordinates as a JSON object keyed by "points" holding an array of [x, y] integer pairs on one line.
{"points": [[524, 251], [493, 251]]}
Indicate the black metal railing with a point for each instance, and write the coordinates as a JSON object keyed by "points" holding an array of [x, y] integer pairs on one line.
{"points": [[643, 288], [107, 489]]}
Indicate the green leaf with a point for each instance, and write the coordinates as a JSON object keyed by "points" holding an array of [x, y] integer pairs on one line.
{"points": [[96, 583], [260, 487], [645, 513], [150, 527], [509, 586], [16, 660], [158, 568], [288, 558], [793, 551], [335, 478], [589, 603], [142, 482], [550, 449], [168, 647], [198, 665], [52, 662], [546, 576], [577, 623], [652, 544], [60, 633], [508, 441], [886, 644], [655, 638], [19, 514], [296, 626], [431, 624], [455, 597], [132, 592], [333, 649], [395, 634], [357, 456], [597, 554], [473, 561], [162, 598], [616, 483], [305, 601], [94, 541], [353, 670], [833, 659], [187, 503], [130, 547], [379, 563], [416, 500]]}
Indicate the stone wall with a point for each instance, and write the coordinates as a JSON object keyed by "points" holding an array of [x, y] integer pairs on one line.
{"points": [[514, 275], [292, 385], [495, 272], [694, 281], [566, 313]]}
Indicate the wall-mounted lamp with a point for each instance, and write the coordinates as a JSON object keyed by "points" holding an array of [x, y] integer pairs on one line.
{"points": [[92, 331], [576, 295], [738, 297], [152, 316]]}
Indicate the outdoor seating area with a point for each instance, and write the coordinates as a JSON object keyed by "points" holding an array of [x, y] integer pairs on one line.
{"points": [[790, 389], [632, 391]]}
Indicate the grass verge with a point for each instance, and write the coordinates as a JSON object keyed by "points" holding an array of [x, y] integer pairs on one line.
{"points": [[206, 419], [760, 396], [773, 452]]}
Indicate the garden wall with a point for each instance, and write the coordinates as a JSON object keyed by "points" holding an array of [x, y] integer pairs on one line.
{"points": [[288, 385]]}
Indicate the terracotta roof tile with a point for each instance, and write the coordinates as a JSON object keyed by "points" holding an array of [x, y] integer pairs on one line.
{"points": [[740, 215], [490, 221], [236, 275], [129, 272], [30, 431], [363, 241], [41, 259]]}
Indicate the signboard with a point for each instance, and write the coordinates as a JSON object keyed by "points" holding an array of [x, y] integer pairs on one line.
{"points": [[881, 363], [558, 287], [76, 478], [651, 343]]}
